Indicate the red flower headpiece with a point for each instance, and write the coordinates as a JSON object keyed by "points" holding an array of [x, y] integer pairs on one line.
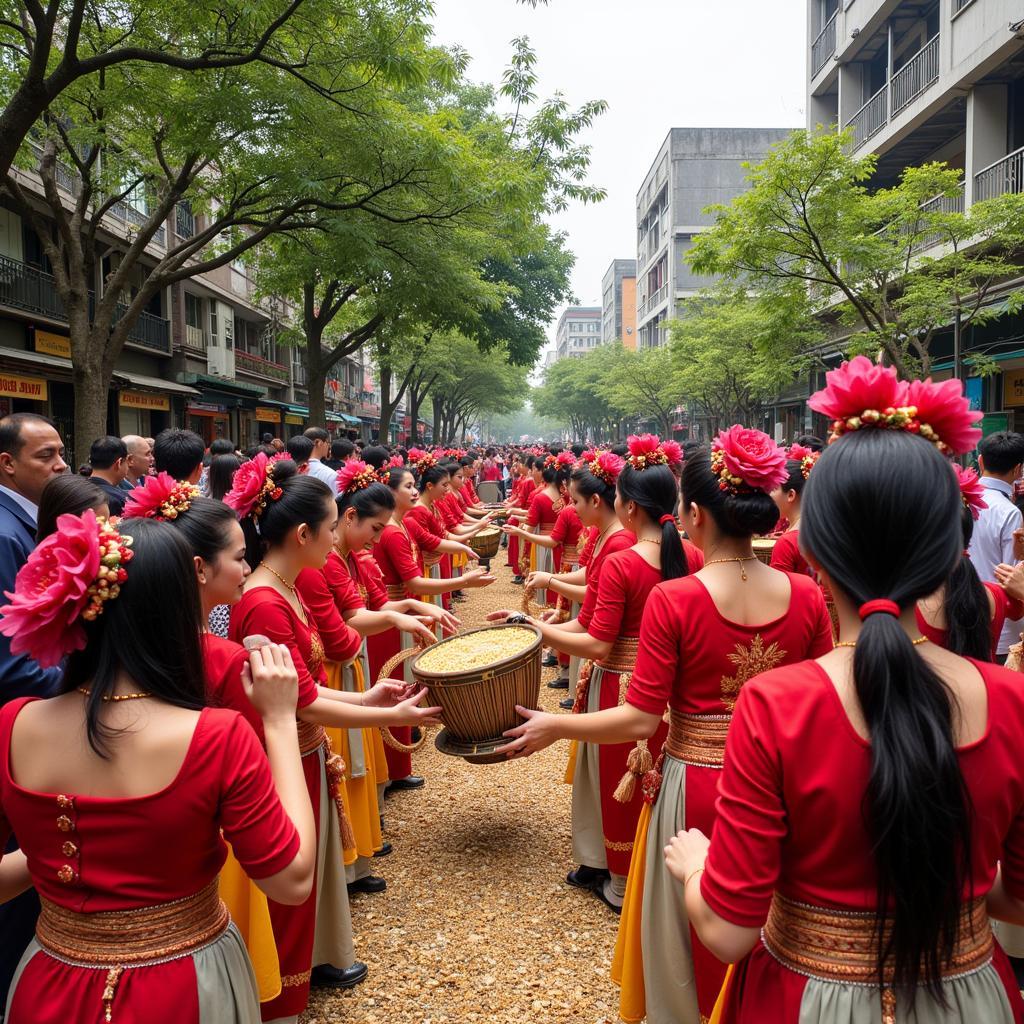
{"points": [[589, 455], [354, 476], [673, 452], [607, 466], [972, 494], [860, 394], [160, 497], [551, 462], [384, 473], [805, 456], [455, 453], [421, 460], [747, 460], [565, 460], [68, 578], [647, 450], [252, 486]]}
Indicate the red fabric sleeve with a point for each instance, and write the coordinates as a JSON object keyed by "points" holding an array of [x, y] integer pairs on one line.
{"points": [[340, 640], [807, 594], [473, 498], [694, 557], [536, 509], [610, 610], [460, 497], [266, 612], [1005, 607], [451, 514], [399, 554], [561, 531], [371, 578], [8, 713], [344, 589], [423, 528], [743, 863], [254, 821], [657, 659], [786, 553]]}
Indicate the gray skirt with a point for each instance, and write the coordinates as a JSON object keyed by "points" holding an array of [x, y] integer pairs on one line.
{"points": [[587, 821], [225, 985]]}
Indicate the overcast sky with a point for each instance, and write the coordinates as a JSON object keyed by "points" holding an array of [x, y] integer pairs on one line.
{"points": [[659, 64]]}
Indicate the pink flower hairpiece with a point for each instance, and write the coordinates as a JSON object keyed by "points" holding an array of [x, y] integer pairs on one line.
{"points": [[565, 460], [607, 466], [420, 459], [645, 450], [67, 579], [354, 476], [746, 460], [805, 456], [253, 487], [160, 497], [673, 452], [860, 395], [972, 494]]}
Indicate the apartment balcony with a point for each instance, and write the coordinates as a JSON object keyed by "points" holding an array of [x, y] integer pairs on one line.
{"points": [[1005, 175], [824, 47], [871, 118], [184, 221], [30, 289], [652, 302], [123, 211], [917, 75], [260, 367]]}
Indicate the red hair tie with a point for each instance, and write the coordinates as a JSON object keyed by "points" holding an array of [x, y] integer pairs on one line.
{"points": [[667, 519], [883, 605]]}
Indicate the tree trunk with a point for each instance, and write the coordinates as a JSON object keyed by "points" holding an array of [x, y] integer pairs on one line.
{"points": [[437, 405], [316, 376], [387, 406]]}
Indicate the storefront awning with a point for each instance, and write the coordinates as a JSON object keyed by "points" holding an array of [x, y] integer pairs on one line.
{"points": [[343, 417], [35, 359], [209, 382], [298, 410], [138, 380]]}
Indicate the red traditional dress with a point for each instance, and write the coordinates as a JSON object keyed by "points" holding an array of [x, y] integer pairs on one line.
{"points": [[625, 581], [786, 554], [399, 559], [449, 511], [343, 648], [543, 512], [566, 532], [1004, 607], [319, 931], [694, 661], [793, 761], [522, 492], [427, 531], [131, 923]]}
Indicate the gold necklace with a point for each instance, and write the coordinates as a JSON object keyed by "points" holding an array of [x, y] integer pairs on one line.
{"points": [[853, 643], [647, 540], [740, 560], [115, 697], [290, 586]]}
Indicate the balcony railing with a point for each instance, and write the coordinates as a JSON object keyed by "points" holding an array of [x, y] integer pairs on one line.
{"points": [[921, 71], [184, 221], [653, 301], [871, 118], [261, 367], [124, 211], [1005, 175], [149, 331], [824, 46], [959, 5]]}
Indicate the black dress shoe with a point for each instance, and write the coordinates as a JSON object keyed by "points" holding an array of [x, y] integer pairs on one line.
{"points": [[599, 893], [385, 850], [409, 782], [326, 976], [585, 877], [549, 660], [368, 884], [568, 703], [561, 683], [517, 580]]}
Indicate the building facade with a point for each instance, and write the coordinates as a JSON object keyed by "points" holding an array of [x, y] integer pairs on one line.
{"points": [[618, 303], [578, 332], [932, 80], [694, 168]]}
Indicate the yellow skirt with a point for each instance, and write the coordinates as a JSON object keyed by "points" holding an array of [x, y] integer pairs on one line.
{"points": [[248, 908], [628, 961], [359, 795]]}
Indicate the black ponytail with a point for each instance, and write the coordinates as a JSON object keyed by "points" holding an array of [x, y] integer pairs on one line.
{"points": [[367, 501], [894, 534], [967, 610], [655, 491], [735, 515]]}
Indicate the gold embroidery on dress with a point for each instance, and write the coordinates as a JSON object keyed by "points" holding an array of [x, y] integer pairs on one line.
{"points": [[292, 980], [316, 652], [749, 661], [618, 847]]}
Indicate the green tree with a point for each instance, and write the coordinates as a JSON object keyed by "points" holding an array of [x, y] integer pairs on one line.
{"points": [[643, 384], [573, 393], [811, 218]]}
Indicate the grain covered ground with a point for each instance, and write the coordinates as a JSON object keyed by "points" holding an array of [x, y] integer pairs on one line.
{"points": [[477, 924]]}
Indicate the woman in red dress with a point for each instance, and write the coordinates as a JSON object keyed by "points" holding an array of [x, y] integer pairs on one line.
{"points": [[909, 752], [786, 552], [123, 789], [401, 564], [518, 504], [289, 522], [701, 638]]}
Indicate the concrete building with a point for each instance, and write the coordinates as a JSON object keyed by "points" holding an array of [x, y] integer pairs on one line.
{"points": [[923, 80], [579, 331], [618, 303], [694, 168]]}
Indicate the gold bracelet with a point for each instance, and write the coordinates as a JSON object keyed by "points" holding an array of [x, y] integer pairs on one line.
{"points": [[692, 874]]}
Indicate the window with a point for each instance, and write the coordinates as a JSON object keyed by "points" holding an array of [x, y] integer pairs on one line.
{"points": [[193, 310]]}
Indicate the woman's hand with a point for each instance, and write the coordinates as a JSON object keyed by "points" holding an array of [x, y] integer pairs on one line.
{"points": [[417, 625], [548, 615], [1011, 579], [512, 531], [271, 682], [387, 693], [686, 853], [435, 613], [408, 712], [537, 732], [476, 578], [538, 581]]}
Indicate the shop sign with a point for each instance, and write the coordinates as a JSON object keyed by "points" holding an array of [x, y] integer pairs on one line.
{"points": [[22, 387], [140, 400], [53, 344], [1013, 387], [295, 421], [264, 415], [206, 407]]}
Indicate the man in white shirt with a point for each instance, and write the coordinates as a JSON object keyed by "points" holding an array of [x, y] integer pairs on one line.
{"points": [[1000, 459], [321, 450]]}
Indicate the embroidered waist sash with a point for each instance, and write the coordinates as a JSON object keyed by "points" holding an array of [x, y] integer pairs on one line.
{"points": [[697, 739], [121, 939]]}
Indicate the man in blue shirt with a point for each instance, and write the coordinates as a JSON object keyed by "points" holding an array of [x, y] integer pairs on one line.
{"points": [[1000, 459], [31, 454]]}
